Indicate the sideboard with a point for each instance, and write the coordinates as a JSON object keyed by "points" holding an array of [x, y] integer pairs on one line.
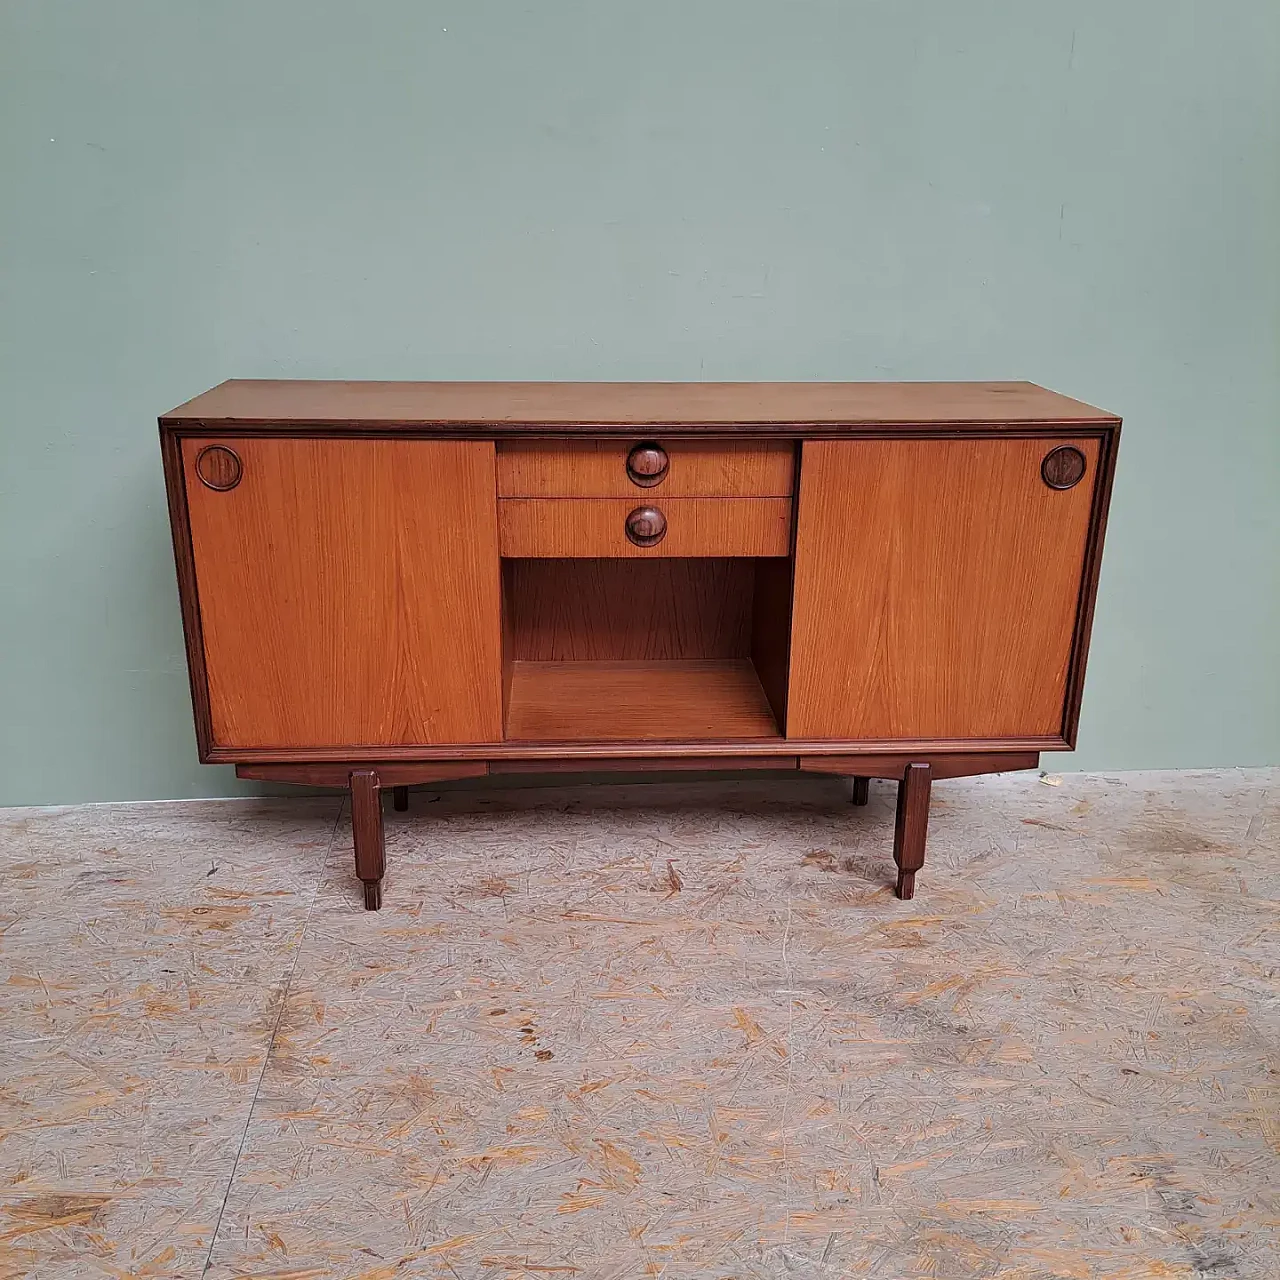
{"points": [[385, 584]]}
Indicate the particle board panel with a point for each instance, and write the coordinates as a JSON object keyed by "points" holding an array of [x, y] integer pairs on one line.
{"points": [[695, 1031], [144, 954]]}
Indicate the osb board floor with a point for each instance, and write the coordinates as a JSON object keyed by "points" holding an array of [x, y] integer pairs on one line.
{"points": [[676, 1029]]}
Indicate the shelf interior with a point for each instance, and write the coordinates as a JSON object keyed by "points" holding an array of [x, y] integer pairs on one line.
{"points": [[617, 650], [671, 699]]}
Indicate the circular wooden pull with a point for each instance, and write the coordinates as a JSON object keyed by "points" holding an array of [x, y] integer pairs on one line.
{"points": [[646, 526], [219, 467], [647, 464], [1063, 467]]}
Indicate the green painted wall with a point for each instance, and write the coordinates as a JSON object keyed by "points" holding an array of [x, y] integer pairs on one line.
{"points": [[1086, 194]]}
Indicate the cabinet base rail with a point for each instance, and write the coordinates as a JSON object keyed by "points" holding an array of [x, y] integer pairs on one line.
{"points": [[914, 777]]}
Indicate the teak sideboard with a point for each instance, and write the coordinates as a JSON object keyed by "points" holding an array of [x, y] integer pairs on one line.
{"points": [[386, 583]]}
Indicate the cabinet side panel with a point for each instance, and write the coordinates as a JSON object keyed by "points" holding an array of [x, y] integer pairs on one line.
{"points": [[937, 586], [349, 592], [771, 631]]}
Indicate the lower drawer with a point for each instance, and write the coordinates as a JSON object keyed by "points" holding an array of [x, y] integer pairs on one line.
{"points": [[603, 527]]}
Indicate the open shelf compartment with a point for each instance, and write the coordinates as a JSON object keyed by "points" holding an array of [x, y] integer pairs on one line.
{"points": [[667, 649]]}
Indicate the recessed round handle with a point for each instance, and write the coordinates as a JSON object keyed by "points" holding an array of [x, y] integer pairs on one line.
{"points": [[1063, 467], [218, 467], [646, 526], [647, 464]]}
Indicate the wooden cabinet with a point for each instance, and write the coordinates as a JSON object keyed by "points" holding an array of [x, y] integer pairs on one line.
{"points": [[390, 583]]}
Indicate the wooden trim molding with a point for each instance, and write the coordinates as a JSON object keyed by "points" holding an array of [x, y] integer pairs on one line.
{"points": [[895, 766], [188, 597], [754, 749], [390, 774], [393, 774], [1108, 448], [642, 764]]}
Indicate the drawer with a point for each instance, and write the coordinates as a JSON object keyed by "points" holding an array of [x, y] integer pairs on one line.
{"points": [[605, 527], [638, 467]]}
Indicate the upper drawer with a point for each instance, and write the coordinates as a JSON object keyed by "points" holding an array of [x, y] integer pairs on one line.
{"points": [[631, 468]]}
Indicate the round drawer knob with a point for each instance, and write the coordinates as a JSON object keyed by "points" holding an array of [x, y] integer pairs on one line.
{"points": [[1063, 467], [218, 467], [647, 464], [646, 526]]}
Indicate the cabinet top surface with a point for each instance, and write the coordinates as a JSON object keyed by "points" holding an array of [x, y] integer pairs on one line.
{"points": [[513, 407]]}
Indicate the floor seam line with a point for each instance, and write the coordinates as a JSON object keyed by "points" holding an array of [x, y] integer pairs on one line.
{"points": [[275, 1031]]}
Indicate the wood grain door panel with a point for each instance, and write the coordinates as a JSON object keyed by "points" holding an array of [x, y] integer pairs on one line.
{"points": [[349, 592], [936, 588]]}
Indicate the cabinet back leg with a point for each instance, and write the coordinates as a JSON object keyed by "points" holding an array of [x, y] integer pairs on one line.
{"points": [[400, 798], [911, 827], [366, 830], [861, 790]]}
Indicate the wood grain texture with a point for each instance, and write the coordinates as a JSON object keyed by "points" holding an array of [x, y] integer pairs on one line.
{"points": [[938, 584], [642, 764], [218, 467], [596, 527], [628, 610], [398, 773], [597, 407], [774, 745], [348, 593], [390, 774], [645, 526], [634, 701], [598, 469], [1063, 467], [887, 765], [647, 465], [367, 834]]}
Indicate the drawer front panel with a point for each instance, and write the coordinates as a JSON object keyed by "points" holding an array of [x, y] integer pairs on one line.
{"points": [[645, 466], [643, 526]]}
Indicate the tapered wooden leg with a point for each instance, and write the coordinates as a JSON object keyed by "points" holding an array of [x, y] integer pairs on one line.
{"points": [[366, 828], [861, 790], [400, 798], [912, 826]]}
